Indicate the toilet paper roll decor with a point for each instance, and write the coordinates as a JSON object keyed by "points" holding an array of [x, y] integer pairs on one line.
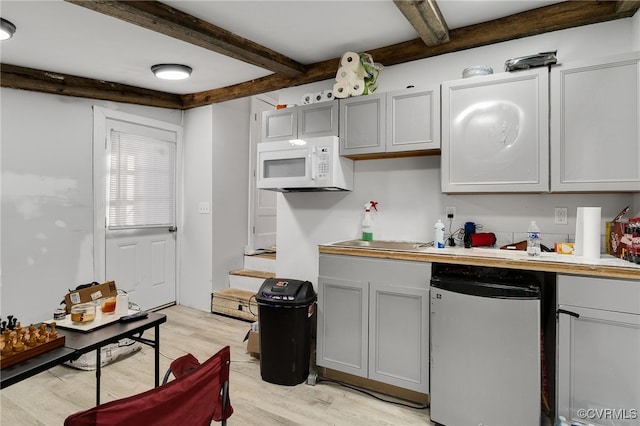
{"points": [[588, 224], [350, 61], [341, 89], [357, 75]]}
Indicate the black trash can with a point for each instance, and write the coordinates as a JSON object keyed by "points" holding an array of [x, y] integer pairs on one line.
{"points": [[285, 311]]}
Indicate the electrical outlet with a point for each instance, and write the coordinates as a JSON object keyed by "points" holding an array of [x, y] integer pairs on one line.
{"points": [[451, 212], [560, 215]]}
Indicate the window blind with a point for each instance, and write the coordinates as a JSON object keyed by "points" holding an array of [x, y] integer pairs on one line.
{"points": [[141, 181]]}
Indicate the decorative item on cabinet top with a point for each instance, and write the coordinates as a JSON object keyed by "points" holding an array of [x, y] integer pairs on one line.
{"points": [[357, 75]]}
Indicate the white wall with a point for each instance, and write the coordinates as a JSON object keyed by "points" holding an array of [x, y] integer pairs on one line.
{"points": [[216, 172], [47, 197], [195, 242], [231, 142], [408, 189]]}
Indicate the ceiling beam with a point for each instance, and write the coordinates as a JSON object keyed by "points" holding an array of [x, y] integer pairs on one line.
{"points": [[623, 6], [550, 18], [16, 77], [555, 17], [169, 21], [427, 20], [545, 19]]}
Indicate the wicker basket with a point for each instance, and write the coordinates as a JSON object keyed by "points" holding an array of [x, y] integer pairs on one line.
{"points": [[235, 303]]}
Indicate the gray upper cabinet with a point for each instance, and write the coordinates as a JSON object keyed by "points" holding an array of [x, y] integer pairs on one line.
{"points": [[319, 119], [280, 124], [595, 125], [413, 119], [495, 133], [400, 121], [362, 124]]}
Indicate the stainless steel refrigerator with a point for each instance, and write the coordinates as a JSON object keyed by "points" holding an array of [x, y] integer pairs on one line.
{"points": [[485, 353]]}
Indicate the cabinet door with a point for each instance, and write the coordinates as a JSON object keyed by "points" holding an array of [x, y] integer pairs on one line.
{"points": [[280, 124], [399, 336], [413, 119], [343, 318], [598, 366], [319, 119], [362, 124], [495, 133], [595, 125]]}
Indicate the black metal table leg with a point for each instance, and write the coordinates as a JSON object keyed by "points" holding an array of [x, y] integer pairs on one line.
{"points": [[98, 372]]}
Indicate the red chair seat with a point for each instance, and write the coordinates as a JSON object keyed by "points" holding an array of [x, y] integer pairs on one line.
{"points": [[196, 397]]}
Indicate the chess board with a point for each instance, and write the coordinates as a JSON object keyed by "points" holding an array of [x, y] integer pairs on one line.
{"points": [[27, 342]]}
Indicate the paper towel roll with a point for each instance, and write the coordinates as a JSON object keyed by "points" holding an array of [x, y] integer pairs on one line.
{"points": [[588, 221], [341, 89], [344, 74], [307, 98], [327, 95], [357, 87], [350, 60]]}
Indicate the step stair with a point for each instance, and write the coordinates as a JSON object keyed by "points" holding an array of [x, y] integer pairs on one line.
{"points": [[238, 300], [256, 269]]}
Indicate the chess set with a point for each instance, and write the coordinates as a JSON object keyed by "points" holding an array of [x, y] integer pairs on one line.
{"points": [[19, 343]]}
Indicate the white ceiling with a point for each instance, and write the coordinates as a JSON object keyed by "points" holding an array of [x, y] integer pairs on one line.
{"points": [[62, 37]]}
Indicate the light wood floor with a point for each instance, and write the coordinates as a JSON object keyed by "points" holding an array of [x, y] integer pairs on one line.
{"points": [[48, 398]]}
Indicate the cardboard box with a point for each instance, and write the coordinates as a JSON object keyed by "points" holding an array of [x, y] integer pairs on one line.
{"points": [[253, 343], [89, 294]]}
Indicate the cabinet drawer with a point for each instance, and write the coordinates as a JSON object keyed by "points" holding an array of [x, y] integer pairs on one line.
{"points": [[599, 293]]}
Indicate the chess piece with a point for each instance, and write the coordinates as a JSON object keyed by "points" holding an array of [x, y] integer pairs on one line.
{"points": [[31, 342], [8, 343], [19, 345], [53, 334], [42, 334]]}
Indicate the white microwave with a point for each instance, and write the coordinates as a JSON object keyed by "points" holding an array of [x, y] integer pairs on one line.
{"points": [[312, 164]]}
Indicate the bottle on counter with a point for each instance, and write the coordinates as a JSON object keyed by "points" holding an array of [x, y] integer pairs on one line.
{"points": [[438, 229], [367, 221], [533, 239]]}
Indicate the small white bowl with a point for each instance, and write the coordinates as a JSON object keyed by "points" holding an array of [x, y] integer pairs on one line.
{"points": [[476, 70]]}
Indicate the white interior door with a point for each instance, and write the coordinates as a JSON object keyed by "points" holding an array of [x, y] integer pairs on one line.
{"points": [[262, 204], [136, 161]]}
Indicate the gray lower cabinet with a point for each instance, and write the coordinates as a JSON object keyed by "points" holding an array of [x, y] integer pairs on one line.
{"points": [[373, 319], [598, 371]]}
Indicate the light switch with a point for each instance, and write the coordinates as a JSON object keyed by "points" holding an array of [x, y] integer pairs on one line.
{"points": [[203, 208]]}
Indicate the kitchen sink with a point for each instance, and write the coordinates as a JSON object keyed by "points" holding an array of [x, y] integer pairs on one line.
{"points": [[384, 245]]}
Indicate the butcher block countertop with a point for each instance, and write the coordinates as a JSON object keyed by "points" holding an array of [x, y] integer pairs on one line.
{"points": [[606, 266]]}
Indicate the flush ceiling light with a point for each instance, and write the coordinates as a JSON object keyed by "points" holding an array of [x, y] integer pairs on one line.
{"points": [[171, 71], [6, 29]]}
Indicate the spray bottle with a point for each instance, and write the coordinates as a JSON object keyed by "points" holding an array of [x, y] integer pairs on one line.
{"points": [[367, 222]]}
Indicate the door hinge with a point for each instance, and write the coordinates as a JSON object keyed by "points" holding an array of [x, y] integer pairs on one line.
{"points": [[254, 230]]}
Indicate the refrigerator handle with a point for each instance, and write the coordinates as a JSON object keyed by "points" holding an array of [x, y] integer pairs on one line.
{"points": [[564, 311]]}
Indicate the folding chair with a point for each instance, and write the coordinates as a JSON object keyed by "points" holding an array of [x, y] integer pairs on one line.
{"points": [[198, 395]]}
